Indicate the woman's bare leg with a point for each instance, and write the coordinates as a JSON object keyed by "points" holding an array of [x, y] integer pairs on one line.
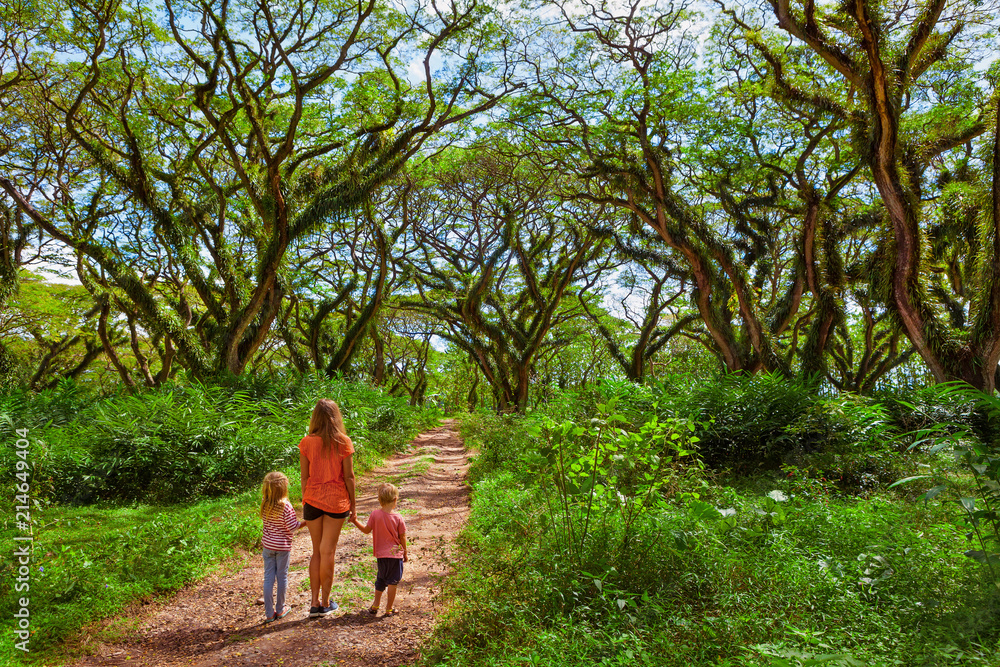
{"points": [[316, 535], [328, 553]]}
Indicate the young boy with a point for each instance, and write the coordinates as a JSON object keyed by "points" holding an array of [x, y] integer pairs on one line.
{"points": [[389, 540]]}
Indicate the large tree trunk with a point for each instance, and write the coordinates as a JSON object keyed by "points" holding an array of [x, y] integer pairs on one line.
{"points": [[109, 347], [986, 336]]}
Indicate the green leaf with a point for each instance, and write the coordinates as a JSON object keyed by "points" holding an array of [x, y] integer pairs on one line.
{"points": [[932, 493], [699, 510], [938, 447], [983, 557], [682, 542], [907, 480]]}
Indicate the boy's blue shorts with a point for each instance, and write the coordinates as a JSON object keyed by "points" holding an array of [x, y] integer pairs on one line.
{"points": [[390, 571]]}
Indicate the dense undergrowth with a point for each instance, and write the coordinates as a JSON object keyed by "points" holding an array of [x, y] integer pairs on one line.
{"points": [[134, 496], [737, 523], [743, 521]]}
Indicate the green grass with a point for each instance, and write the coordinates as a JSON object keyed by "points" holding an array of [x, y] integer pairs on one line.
{"points": [[879, 580], [120, 629], [354, 585], [92, 562], [413, 469], [351, 586]]}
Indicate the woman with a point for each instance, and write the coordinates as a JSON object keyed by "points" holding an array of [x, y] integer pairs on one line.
{"points": [[327, 496]]}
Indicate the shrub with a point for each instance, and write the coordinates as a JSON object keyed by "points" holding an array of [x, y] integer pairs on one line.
{"points": [[768, 421], [917, 409], [167, 446], [186, 441], [849, 440], [499, 441], [749, 419]]}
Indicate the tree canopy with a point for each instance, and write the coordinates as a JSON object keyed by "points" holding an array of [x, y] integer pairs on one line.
{"points": [[804, 189]]}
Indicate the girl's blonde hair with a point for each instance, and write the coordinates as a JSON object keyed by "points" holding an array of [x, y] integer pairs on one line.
{"points": [[274, 491], [327, 422]]}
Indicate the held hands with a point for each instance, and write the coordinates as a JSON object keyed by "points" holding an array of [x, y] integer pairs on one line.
{"points": [[301, 524]]}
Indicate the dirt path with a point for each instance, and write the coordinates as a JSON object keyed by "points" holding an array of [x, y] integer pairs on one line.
{"points": [[218, 620]]}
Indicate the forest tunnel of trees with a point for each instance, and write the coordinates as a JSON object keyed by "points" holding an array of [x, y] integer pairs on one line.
{"points": [[709, 291], [549, 194]]}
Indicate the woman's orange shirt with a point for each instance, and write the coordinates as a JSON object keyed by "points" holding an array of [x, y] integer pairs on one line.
{"points": [[325, 489]]}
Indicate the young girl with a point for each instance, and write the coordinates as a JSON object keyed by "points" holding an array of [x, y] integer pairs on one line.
{"points": [[279, 522]]}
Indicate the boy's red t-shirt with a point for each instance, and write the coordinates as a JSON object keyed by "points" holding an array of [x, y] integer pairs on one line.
{"points": [[386, 529], [325, 489]]}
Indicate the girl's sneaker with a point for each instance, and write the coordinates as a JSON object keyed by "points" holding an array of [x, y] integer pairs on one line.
{"points": [[284, 612]]}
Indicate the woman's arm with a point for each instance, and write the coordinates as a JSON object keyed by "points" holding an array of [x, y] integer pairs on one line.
{"points": [[348, 467], [304, 472]]}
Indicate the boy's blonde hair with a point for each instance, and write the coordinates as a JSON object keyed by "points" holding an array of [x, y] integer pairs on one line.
{"points": [[274, 491], [387, 493]]}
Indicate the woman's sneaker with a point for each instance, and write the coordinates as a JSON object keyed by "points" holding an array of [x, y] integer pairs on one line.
{"points": [[322, 611]]}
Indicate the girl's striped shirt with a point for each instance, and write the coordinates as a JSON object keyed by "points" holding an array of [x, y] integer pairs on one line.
{"points": [[278, 528]]}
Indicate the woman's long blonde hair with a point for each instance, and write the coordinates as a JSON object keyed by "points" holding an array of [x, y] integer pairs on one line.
{"points": [[328, 424], [274, 491]]}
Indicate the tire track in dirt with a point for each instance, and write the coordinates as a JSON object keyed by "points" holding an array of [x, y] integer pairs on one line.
{"points": [[217, 621]]}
